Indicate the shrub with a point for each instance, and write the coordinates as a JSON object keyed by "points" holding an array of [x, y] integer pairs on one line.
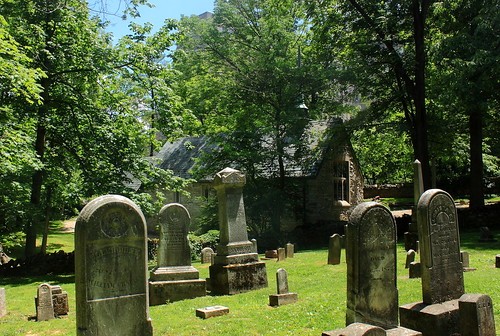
{"points": [[197, 243]]}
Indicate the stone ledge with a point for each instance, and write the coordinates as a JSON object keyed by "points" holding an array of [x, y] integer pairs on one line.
{"points": [[212, 311]]}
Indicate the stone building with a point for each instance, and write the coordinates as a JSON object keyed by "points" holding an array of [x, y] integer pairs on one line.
{"points": [[326, 170]]}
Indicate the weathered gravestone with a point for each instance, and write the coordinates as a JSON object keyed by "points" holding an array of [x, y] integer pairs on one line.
{"points": [[60, 305], [290, 250], [411, 237], [357, 329], [372, 295], [207, 255], [281, 254], [497, 261], [441, 268], [60, 301], [284, 296], [211, 311], [410, 257], [334, 249], [236, 266], [254, 243], [465, 259], [174, 278], [44, 303], [111, 269], [476, 315], [3, 303], [414, 270], [271, 254]]}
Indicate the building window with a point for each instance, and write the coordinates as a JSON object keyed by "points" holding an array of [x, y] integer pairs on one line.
{"points": [[341, 181]]}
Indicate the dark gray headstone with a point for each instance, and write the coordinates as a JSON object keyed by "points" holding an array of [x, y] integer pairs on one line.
{"points": [[174, 278], [410, 257], [476, 315], [334, 249], [372, 295], [3, 303], [497, 261], [415, 270], [44, 304], [442, 270], [173, 247], [206, 255], [110, 269]]}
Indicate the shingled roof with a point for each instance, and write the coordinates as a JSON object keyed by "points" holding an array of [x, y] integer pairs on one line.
{"points": [[180, 156]]}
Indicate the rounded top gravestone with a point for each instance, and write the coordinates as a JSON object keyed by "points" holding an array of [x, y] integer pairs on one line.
{"points": [[442, 271], [111, 268], [174, 249]]}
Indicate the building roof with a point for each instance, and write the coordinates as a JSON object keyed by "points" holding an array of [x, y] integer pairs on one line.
{"points": [[302, 160]]}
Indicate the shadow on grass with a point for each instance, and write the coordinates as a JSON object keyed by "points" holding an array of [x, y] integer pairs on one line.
{"points": [[469, 239], [52, 279]]}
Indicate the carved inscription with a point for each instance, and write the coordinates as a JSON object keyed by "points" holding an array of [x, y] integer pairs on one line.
{"points": [[444, 241], [112, 272]]}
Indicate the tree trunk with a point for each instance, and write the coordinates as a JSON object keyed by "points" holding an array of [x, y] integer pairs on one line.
{"points": [[476, 158], [420, 8]]}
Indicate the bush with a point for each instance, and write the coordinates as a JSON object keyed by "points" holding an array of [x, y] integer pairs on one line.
{"points": [[197, 243]]}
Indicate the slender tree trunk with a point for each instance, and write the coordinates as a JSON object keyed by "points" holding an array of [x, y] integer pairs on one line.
{"points": [[420, 8], [476, 158]]}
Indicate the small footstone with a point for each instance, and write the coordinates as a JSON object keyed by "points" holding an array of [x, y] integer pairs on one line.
{"points": [[212, 311]]}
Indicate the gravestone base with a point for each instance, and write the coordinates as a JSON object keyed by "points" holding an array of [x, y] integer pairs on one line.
{"points": [[401, 331], [161, 292], [356, 329], [282, 299], [438, 319], [173, 273], [237, 278]]}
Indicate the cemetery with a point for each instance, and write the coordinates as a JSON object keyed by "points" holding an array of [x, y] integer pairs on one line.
{"points": [[364, 290]]}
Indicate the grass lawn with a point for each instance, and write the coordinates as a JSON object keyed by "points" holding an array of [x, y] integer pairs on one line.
{"points": [[321, 290]]}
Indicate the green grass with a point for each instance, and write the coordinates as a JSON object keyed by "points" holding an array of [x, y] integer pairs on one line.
{"points": [[321, 290]]}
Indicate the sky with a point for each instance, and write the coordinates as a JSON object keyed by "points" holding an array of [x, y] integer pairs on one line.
{"points": [[163, 9]]}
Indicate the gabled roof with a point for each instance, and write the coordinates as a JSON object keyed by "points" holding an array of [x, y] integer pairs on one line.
{"points": [[318, 137]]}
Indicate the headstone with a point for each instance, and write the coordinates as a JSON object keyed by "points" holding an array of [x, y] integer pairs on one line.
{"points": [[410, 257], [281, 254], [464, 258], [236, 266], [44, 304], [414, 270], [334, 248], [485, 235], [284, 296], [497, 261], [60, 301], [372, 295], [290, 250], [206, 255], [174, 278], [441, 268], [3, 303], [271, 254], [411, 237], [254, 243], [110, 269], [476, 315], [212, 311]]}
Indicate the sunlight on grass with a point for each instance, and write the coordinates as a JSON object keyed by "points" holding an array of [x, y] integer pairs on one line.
{"points": [[321, 291]]}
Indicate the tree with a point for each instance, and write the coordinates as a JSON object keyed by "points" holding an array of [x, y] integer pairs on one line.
{"points": [[467, 61], [382, 45], [257, 59], [85, 141]]}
